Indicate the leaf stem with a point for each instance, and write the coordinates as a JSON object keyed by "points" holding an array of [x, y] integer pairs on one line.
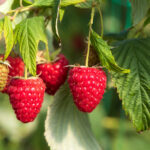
{"points": [[26, 73], [20, 9], [21, 5], [101, 20], [89, 36]]}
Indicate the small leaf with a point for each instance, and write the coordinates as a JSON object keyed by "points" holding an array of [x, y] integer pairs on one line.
{"points": [[134, 88], [139, 10], [28, 34], [55, 18], [61, 14], [8, 35], [104, 53], [66, 128], [64, 3], [1, 26]]}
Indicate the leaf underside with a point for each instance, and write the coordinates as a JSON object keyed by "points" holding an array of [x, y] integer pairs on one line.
{"points": [[134, 88], [66, 128]]}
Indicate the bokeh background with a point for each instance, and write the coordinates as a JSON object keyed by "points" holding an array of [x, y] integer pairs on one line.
{"points": [[111, 127]]}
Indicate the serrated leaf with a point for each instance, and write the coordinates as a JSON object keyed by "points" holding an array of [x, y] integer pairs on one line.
{"points": [[8, 35], [28, 33], [66, 128], [64, 3], [134, 88], [104, 53], [55, 18], [139, 10], [1, 26]]}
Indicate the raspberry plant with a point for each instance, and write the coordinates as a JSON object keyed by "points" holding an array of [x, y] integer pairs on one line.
{"points": [[125, 57]]}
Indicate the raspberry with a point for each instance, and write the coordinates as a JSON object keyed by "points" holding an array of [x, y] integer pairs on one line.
{"points": [[87, 86], [53, 74], [3, 75], [16, 69], [26, 97]]}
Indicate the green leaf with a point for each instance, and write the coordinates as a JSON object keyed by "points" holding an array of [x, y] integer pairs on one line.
{"points": [[104, 53], [88, 3], [66, 128], [28, 34], [61, 14], [1, 26], [134, 88], [139, 10], [8, 35], [55, 18], [64, 3]]}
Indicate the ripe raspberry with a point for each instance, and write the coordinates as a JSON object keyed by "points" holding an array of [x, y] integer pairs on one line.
{"points": [[53, 74], [16, 69], [26, 97], [3, 75], [87, 86]]}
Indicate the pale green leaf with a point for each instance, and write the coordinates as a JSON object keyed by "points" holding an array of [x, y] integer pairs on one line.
{"points": [[134, 88], [104, 53], [51, 2], [8, 35], [66, 128], [28, 34], [139, 9]]}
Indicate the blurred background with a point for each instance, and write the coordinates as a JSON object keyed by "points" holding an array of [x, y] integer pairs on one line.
{"points": [[111, 128]]}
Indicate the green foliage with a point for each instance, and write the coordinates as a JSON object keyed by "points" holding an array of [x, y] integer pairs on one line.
{"points": [[66, 127], [64, 3], [134, 88], [104, 53], [28, 33], [61, 14], [9, 37], [139, 10], [88, 3], [1, 26]]}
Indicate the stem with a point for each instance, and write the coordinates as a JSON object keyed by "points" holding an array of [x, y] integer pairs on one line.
{"points": [[89, 36], [14, 16], [26, 73], [101, 19], [21, 5], [21, 9]]}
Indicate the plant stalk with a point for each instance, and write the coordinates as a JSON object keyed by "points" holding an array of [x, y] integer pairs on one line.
{"points": [[89, 36]]}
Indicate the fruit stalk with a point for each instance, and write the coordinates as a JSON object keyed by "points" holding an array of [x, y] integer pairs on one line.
{"points": [[89, 36], [101, 20]]}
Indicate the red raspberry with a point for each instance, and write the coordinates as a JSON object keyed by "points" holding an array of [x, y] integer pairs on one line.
{"points": [[26, 97], [16, 69], [53, 74], [87, 86]]}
